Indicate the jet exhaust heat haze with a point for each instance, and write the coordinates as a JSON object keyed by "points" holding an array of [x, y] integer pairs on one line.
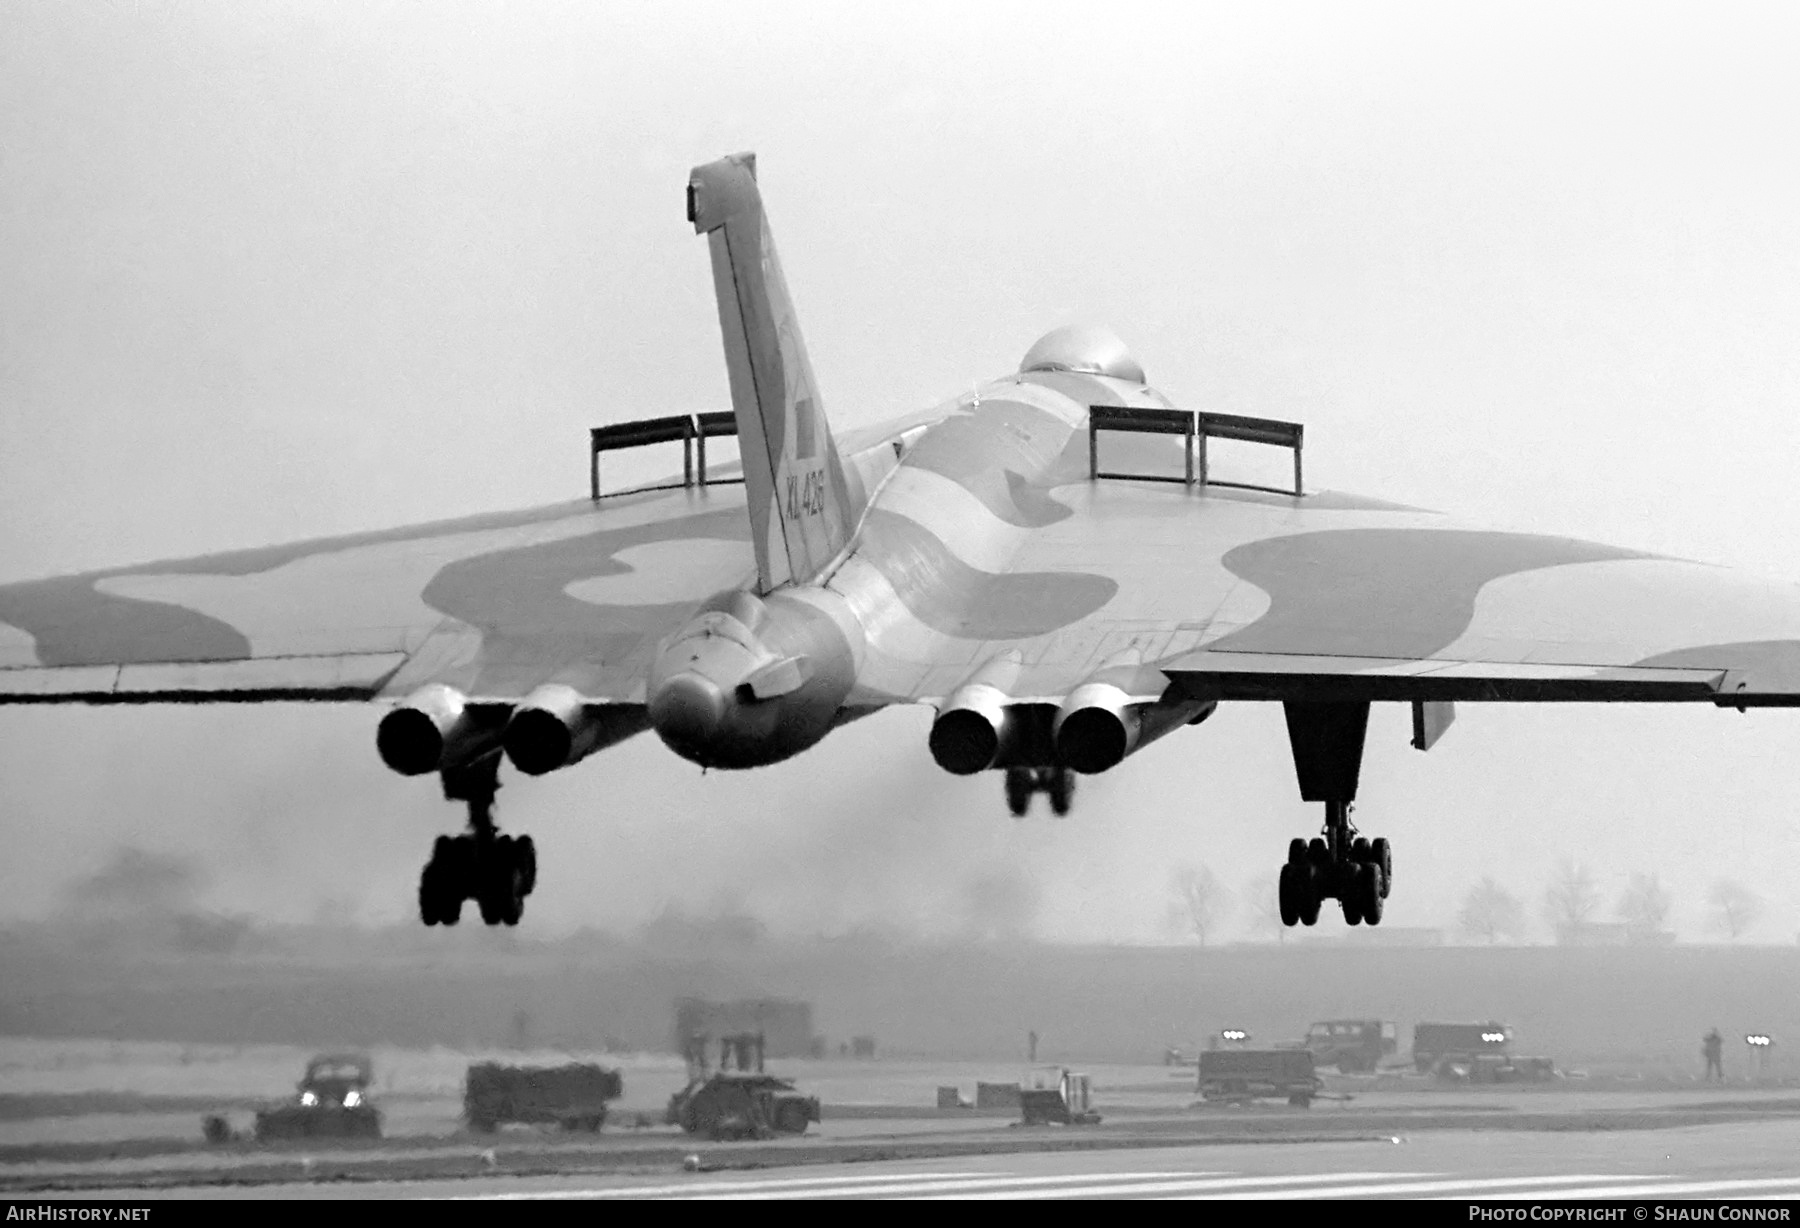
{"points": [[1053, 561]]}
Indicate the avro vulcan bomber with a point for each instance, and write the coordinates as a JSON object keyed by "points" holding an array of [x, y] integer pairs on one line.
{"points": [[1054, 561]]}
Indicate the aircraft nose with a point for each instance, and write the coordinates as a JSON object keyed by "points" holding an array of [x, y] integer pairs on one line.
{"points": [[687, 709]]}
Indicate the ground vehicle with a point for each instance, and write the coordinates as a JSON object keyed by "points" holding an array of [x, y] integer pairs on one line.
{"points": [[741, 1103], [1064, 1103], [330, 1102], [1241, 1075], [738, 1104], [573, 1096], [1497, 1068], [1352, 1044], [1435, 1044]]}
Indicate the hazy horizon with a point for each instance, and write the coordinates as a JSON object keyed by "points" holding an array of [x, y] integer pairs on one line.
{"points": [[279, 271]]}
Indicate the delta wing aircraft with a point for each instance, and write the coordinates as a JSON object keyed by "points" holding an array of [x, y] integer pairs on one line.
{"points": [[1055, 562]]}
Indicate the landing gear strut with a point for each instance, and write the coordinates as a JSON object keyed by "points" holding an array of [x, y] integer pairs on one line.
{"points": [[1022, 782], [1327, 740], [495, 871]]}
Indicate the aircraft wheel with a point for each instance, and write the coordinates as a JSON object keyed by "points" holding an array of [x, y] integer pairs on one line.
{"points": [[527, 854], [1306, 890], [1371, 890], [1359, 849], [1316, 852], [1062, 790], [1297, 851], [1352, 898], [1288, 895], [428, 894], [1382, 854], [1018, 791]]}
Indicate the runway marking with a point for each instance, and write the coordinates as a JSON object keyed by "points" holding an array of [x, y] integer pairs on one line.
{"points": [[702, 1185], [1108, 1183], [965, 1185], [1490, 1187], [1674, 1185], [984, 1186]]}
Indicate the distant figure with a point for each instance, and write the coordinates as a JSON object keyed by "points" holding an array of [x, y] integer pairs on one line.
{"points": [[1713, 1046], [1031, 1043]]}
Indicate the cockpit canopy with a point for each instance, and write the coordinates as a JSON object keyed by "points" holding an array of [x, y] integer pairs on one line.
{"points": [[1083, 347]]}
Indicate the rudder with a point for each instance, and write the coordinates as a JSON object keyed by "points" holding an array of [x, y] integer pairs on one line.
{"points": [[802, 512]]}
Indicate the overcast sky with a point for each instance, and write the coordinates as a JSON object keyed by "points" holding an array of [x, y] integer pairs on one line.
{"points": [[275, 271]]}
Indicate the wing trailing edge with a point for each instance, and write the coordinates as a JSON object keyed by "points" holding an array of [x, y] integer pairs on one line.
{"points": [[1280, 676]]}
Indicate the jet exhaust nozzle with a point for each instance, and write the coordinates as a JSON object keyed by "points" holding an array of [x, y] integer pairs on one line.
{"points": [[975, 728], [436, 727], [1099, 724], [968, 734], [555, 727]]}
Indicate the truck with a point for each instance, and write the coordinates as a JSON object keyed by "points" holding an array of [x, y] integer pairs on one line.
{"points": [[741, 1103], [1238, 1076], [1352, 1045], [573, 1096], [1442, 1047], [330, 1101]]}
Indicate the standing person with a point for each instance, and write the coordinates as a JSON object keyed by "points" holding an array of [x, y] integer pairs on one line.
{"points": [[1713, 1046]]}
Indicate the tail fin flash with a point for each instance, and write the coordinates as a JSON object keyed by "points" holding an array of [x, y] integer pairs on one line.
{"points": [[801, 508]]}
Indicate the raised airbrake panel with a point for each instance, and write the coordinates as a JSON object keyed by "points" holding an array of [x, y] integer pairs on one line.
{"points": [[1194, 428], [690, 432]]}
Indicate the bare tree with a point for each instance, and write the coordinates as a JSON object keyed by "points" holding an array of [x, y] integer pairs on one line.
{"points": [[1644, 907], [1570, 901], [1199, 902], [1491, 912], [1262, 905], [1734, 907]]}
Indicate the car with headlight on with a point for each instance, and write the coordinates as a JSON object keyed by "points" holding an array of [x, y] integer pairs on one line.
{"points": [[330, 1101]]}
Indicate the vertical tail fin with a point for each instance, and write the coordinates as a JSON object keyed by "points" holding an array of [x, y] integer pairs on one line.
{"points": [[802, 510]]}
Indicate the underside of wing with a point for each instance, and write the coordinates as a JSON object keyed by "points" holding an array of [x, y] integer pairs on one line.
{"points": [[575, 594]]}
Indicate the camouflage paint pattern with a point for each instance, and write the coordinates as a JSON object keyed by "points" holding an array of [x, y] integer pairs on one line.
{"points": [[938, 544]]}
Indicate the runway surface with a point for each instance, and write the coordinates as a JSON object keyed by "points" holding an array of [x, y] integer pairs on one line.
{"points": [[1736, 1162]]}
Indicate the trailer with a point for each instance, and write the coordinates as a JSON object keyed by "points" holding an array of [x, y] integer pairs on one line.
{"points": [[1238, 1076], [573, 1096]]}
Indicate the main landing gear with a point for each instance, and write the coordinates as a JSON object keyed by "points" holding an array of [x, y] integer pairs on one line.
{"points": [[1327, 740], [1022, 782], [495, 871], [1355, 871]]}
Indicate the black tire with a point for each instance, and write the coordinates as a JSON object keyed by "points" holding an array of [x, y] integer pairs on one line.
{"points": [[1382, 854], [1018, 791], [1371, 888], [1359, 849], [1062, 791], [1352, 902], [526, 852], [1297, 851], [1307, 887], [428, 894], [1300, 1100], [1316, 852], [1288, 894], [790, 1118], [493, 900]]}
